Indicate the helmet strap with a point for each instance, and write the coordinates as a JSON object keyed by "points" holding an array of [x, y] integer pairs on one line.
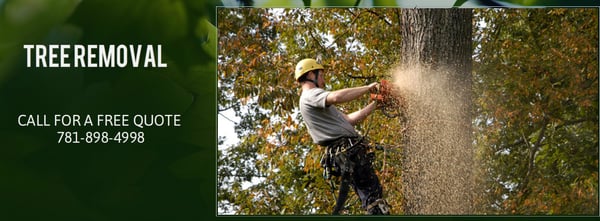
{"points": [[316, 80]]}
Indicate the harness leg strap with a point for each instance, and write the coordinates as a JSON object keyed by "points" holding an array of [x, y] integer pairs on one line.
{"points": [[342, 195]]}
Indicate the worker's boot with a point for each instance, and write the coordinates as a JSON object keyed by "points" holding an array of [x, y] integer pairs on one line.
{"points": [[379, 207]]}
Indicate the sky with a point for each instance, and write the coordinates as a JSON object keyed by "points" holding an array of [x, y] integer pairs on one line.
{"points": [[226, 122]]}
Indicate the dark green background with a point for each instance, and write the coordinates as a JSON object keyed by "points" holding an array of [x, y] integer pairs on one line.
{"points": [[171, 176], [168, 177]]}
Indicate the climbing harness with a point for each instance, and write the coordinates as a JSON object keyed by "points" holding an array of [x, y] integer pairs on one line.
{"points": [[340, 159], [336, 162]]}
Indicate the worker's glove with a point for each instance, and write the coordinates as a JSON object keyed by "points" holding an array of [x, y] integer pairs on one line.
{"points": [[382, 93], [377, 97]]}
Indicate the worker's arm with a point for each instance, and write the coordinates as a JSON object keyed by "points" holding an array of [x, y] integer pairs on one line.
{"points": [[359, 115], [348, 94]]}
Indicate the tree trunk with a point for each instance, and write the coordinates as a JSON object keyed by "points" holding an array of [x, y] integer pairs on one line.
{"points": [[435, 79]]}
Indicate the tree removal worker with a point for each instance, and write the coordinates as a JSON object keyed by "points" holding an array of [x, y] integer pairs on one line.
{"points": [[347, 153]]}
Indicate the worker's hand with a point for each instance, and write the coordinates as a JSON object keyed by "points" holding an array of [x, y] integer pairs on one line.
{"points": [[374, 87]]}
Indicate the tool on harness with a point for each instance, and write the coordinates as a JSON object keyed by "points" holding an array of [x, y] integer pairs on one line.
{"points": [[335, 160], [389, 100]]}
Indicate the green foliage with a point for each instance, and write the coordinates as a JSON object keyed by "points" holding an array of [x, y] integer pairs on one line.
{"points": [[536, 77]]}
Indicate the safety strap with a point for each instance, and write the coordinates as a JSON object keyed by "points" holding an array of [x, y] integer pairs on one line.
{"points": [[342, 195]]}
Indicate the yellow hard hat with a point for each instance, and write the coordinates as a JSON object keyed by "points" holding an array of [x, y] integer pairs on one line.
{"points": [[306, 65]]}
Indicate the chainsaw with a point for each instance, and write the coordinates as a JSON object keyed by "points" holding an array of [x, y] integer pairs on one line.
{"points": [[389, 100]]}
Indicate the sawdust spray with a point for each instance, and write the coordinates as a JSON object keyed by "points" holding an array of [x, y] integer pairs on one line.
{"points": [[438, 164]]}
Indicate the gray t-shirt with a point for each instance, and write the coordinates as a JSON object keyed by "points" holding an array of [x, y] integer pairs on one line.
{"points": [[324, 122]]}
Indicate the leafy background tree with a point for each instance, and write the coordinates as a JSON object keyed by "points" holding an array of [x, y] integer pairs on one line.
{"points": [[536, 78], [535, 96]]}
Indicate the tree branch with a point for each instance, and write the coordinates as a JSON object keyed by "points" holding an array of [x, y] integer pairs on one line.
{"points": [[355, 17], [380, 16], [317, 40], [225, 108], [534, 149], [567, 123], [228, 118], [530, 167], [573, 122], [361, 77]]}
